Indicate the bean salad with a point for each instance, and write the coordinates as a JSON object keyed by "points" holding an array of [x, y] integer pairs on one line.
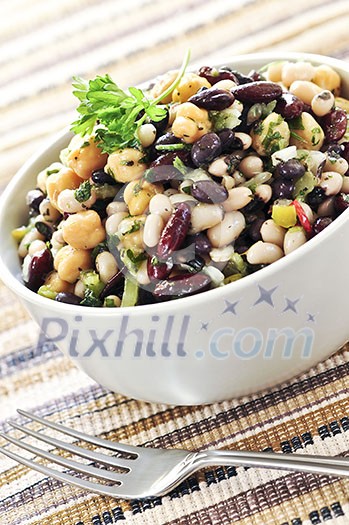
{"points": [[202, 179]]}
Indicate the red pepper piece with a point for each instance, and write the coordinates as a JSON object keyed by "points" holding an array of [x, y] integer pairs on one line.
{"points": [[303, 219]]}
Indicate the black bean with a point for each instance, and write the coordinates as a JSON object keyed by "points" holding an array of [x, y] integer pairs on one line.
{"points": [[34, 198], [40, 266], [335, 150], [341, 202], [334, 124], [242, 244], [316, 197], [209, 192], [192, 266], [212, 99], [228, 140], [206, 149], [253, 206], [68, 298], [282, 189], [44, 229], [102, 177], [255, 76], [345, 153], [162, 168], [214, 75], [320, 224], [240, 78], [201, 243], [292, 169], [167, 138], [289, 106], [115, 284], [254, 229], [253, 92], [162, 124]]}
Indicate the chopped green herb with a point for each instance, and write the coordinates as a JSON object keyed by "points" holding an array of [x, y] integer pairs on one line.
{"points": [[101, 247], [180, 166], [314, 136], [91, 281], [83, 193], [51, 172], [90, 299], [108, 302], [297, 137], [296, 123], [136, 259], [172, 147]]}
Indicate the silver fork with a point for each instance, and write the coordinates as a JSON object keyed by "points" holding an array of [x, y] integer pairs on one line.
{"points": [[141, 472]]}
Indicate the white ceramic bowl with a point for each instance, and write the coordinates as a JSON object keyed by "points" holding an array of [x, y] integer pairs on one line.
{"points": [[219, 344]]}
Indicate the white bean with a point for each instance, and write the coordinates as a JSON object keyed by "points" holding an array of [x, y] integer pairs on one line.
{"points": [[222, 254], [49, 212], [161, 205], [79, 289], [115, 207], [294, 238], [228, 230], [67, 202], [331, 182], [228, 182], [146, 134], [225, 84], [176, 198], [57, 240], [29, 237], [142, 274], [205, 216], [337, 164], [36, 246], [304, 90], [116, 300], [322, 103], [245, 139], [238, 177], [154, 224], [113, 221], [218, 167], [251, 166], [345, 187], [264, 192], [292, 71], [263, 253], [272, 232], [106, 266], [237, 198]]}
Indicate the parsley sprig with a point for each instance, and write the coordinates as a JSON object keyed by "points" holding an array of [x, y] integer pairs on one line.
{"points": [[116, 113]]}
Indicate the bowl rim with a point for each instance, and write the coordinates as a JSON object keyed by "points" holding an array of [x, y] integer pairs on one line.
{"points": [[29, 296]]}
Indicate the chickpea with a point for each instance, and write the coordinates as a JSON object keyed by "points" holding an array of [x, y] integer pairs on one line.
{"points": [[271, 134], [138, 194], [69, 262], [131, 231], [305, 90], [311, 136], [87, 158], [163, 83], [126, 164], [292, 71], [327, 78], [47, 172], [66, 178], [56, 284], [83, 230], [189, 84], [191, 122], [226, 84]]}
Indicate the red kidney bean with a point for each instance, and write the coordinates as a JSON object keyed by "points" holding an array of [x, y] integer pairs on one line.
{"points": [[212, 99], [257, 92], [181, 286], [175, 231], [345, 152], [68, 298], [320, 224], [202, 245], [242, 79], [114, 285], [255, 76], [215, 75], [341, 202], [334, 124], [162, 168], [158, 270], [209, 192], [289, 106], [40, 265], [205, 149]]}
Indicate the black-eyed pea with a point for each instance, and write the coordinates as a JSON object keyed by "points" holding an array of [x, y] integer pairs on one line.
{"points": [[67, 203], [226, 84], [161, 205], [69, 262], [322, 103], [36, 246], [293, 71], [170, 191], [65, 179], [142, 274], [251, 166], [271, 134], [191, 122], [273, 233], [137, 195], [115, 207], [294, 238], [126, 164], [31, 236], [305, 90], [264, 253], [162, 84], [237, 198], [327, 78], [218, 167], [308, 135], [106, 266], [264, 192], [87, 158], [331, 182], [274, 71], [345, 186], [79, 289], [154, 224], [113, 221], [245, 139], [204, 216], [228, 230], [56, 284], [146, 134], [189, 84], [83, 230], [337, 164], [112, 300]]}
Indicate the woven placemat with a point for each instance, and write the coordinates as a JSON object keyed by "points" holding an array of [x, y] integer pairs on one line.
{"points": [[42, 44]]}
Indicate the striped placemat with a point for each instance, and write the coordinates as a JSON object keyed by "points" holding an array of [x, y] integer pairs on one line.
{"points": [[42, 44]]}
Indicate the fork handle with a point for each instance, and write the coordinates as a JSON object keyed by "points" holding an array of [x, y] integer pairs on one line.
{"points": [[331, 466]]}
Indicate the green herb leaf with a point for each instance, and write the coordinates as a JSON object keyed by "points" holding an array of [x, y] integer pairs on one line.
{"points": [[90, 299], [83, 193], [180, 166]]}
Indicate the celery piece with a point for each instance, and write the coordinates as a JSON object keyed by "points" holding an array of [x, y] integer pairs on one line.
{"points": [[19, 233], [304, 185], [130, 295], [45, 291], [92, 282]]}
